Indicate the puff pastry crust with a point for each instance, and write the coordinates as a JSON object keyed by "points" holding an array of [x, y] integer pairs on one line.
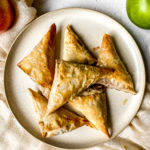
{"points": [[75, 50], [71, 79], [59, 122], [93, 106], [40, 63], [108, 57]]}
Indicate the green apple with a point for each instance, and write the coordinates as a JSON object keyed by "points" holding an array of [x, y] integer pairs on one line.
{"points": [[139, 12]]}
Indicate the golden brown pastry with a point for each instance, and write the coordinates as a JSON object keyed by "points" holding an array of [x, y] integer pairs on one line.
{"points": [[71, 79], [92, 105], [56, 123], [74, 46], [40, 63], [108, 57]]}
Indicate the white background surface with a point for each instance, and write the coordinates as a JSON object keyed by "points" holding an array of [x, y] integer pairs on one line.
{"points": [[14, 137], [115, 9]]}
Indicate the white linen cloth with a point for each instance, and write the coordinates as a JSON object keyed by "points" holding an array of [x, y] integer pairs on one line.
{"points": [[13, 137]]}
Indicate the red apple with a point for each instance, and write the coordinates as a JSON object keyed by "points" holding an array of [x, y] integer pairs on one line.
{"points": [[6, 15]]}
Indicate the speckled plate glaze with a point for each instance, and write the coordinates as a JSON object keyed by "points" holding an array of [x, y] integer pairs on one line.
{"points": [[90, 26]]}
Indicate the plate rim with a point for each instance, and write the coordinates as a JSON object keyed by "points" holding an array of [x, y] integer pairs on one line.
{"points": [[89, 11]]}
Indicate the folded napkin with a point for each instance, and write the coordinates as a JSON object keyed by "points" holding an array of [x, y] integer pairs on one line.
{"points": [[13, 137]]}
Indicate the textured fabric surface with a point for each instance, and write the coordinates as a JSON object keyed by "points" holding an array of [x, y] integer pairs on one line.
{"points": [[13, 137]]}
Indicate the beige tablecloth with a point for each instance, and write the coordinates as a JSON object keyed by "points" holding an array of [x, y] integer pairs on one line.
{"points": [[13, 137]]}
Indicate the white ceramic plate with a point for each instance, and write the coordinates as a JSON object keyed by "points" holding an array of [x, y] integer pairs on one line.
{"points": [[91, 26]]}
